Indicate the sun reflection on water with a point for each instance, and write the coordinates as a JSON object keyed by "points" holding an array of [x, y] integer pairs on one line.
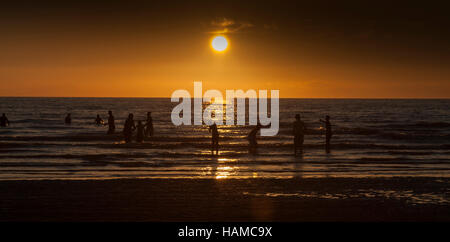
{"points": [[226, 160], [224, 172]]}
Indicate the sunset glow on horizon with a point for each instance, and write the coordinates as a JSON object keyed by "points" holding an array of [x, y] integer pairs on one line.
{"points": [[152, 50]]}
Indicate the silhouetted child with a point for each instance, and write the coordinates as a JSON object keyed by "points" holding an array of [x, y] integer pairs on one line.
{"points": [[149, 125], [111, 124], [140, 132], [214, 139], [252, 139], [128, 128], [4, 121], [328, 132], [299, 133], [68, 119], [98, 120]]}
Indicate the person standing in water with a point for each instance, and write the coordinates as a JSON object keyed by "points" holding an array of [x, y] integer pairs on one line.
{"points": [[140, 132], [252, 144], [98, 120], [299, 134], [68, 119], [149, 125], [111, 124], [214, 138], [4, 121], [328, 132], [128, 128]]}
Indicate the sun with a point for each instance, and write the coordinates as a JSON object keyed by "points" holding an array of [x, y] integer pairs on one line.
{"points": [[219, 43]]}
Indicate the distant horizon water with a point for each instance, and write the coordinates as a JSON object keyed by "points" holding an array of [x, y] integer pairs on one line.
{"points": [[362, 98]]}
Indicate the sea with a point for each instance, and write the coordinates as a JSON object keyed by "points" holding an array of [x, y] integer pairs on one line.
{"points": [[371, 138]]}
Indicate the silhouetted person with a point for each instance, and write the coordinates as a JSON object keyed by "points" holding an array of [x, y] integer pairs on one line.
{"points": [[299, 133], [111, 124], [140, 132], [252, 144], [328, 132], [4, 121], [98, 120], [214, 139], [68, 119], [149, 125], [128, 128]]}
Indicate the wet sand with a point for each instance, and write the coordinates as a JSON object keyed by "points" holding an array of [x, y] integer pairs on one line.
{"points": [[321, 199]]}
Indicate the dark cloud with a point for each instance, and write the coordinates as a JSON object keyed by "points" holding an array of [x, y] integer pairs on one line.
{"points": [[228, 26]]}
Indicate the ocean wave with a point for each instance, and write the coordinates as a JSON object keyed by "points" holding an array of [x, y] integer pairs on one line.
{"points": [[401, 160], [409, 136], [174, 143], [432, 125], [37, 121], [193, 160], [272, 146]]}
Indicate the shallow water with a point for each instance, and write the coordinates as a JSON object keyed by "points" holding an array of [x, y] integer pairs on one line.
{"points": [[372, 138]]}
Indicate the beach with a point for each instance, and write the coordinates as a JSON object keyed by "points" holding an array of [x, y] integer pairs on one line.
{"points": [[200, 200]]}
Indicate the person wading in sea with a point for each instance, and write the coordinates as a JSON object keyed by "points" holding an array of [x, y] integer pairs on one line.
{"points": [[98, 120], [299, 134], [140, 132], [128, 128], [68, 119], [252, 144], [111, 124], [328, 133], [149, 125], [4, 121], [214, 138]]}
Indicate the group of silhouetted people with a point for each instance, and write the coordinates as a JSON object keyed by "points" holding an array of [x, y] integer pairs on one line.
{"points": [[146, 130], [142, 130], [299, 131]]}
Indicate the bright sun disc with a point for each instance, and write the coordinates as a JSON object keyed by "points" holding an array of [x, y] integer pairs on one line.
{"points": [[219, 43]]}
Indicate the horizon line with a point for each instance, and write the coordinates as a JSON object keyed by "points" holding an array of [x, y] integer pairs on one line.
{"points": [[268, 98]]}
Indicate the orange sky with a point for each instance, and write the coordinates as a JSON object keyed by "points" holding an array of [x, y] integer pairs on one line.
{"points": [[108, 57]]}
